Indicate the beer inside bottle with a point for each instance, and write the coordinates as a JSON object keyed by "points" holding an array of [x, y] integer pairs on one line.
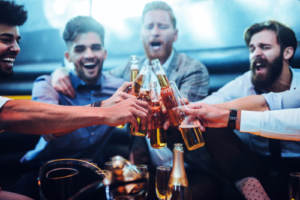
{"points": [[168, 98], [133, 74], [143, 124], [137, 85], [192, 136], [158, 137]]}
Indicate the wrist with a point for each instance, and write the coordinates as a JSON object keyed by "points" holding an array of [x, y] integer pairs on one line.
{"points": [[232, 118], [96, 104]]}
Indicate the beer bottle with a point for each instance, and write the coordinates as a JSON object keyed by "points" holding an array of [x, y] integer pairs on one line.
{"points": [[166, 92], [141, 89], [178, 183], [157, 134], [134, 68]]}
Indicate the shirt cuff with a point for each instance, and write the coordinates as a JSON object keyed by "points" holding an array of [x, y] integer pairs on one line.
{"points": [[250, 121], [273, 100]]}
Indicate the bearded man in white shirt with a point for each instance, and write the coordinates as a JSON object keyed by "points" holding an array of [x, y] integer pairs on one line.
{"points": [[272, 46]]}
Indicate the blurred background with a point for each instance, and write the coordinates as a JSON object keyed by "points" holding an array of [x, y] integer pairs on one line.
{"points": [[209, 30], [202, 24]]}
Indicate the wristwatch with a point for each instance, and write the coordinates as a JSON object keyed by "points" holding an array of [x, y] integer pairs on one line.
{"points": [[232, 118]]}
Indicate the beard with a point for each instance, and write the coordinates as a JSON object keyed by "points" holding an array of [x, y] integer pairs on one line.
{"points": [[5, 74], [82, 74], [273, 71], [163, 54]]}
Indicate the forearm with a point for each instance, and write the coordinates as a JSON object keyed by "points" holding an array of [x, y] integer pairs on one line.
{"points": [[39, 118], [255, 102]]}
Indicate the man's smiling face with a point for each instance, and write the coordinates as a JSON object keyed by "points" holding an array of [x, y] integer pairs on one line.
{"points": [[87, 54], [9, 48]]}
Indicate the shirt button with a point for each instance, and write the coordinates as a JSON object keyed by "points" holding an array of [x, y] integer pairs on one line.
{"points": [[92, 133]]}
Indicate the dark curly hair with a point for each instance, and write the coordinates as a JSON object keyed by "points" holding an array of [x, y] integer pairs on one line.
{"points": [[82, 24], [12, 14]]}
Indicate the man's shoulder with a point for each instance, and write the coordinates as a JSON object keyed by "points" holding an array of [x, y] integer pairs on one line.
{"points": [[186, 59], [43, 78], [184, 62], [112, 81], [296, 72]]}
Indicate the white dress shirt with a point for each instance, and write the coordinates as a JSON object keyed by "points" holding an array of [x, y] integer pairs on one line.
{"points": [[241, 87], [278, 124]]}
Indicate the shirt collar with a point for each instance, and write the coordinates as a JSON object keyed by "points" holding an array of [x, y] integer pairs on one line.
{"points": [[77, 82], [166, 64], [168, 61], [294, 79]]}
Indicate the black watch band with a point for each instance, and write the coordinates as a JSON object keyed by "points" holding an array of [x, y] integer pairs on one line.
{"points": [[232, 118], [96, 104]]}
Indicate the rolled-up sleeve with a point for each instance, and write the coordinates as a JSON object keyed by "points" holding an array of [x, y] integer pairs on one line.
{"points": [[283, 100]]}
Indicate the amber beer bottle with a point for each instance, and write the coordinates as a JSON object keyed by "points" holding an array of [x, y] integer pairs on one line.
{"points": [[166, 92], [143, 94], [178, 184], [134, 68], [158, 137]]}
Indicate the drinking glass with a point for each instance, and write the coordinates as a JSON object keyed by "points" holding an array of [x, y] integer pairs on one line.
{"points": [[294, 186], [188, 127], [161, 181]]}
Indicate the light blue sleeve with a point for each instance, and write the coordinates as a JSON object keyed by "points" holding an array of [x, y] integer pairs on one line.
{"points": [[283, 100], [43, 91]]}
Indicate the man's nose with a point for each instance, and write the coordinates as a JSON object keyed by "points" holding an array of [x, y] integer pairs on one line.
{"points": [[257, 52], [88, 53], [155, 31], [15, 47]]}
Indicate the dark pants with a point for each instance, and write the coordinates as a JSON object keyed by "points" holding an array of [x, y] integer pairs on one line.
{"points": [[235, 161]]}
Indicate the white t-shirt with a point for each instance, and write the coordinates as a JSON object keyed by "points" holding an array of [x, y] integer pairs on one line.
{"points": [[3, 100]]}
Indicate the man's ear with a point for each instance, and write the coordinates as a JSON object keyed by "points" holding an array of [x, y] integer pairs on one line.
{"points": [[105, 54], [67, 56], [288, 53], [176, 35]]}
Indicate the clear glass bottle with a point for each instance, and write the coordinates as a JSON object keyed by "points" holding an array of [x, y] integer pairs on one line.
{"points": [[178, 183], [134, 67], [141, 89], [157, 134], [166, 92]]}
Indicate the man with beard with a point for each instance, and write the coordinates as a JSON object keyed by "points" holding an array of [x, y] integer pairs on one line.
{"points": [[272, 46], [84, 38]]}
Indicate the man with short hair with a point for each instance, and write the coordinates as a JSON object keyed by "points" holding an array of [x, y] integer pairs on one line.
{"points": [[272, 46], [84, 38], [30, 117]]}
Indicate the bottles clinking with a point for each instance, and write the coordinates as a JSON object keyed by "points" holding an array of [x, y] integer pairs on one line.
{"points": [[143, 88]]}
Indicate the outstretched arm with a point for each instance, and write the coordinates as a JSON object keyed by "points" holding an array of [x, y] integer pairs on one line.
{"points": [[254, 102], [27, 116]]}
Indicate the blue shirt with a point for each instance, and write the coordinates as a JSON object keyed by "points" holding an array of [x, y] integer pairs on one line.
{"points": [[241, 87], [81, 143]]}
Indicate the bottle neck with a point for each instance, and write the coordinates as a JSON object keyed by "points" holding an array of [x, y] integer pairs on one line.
{"points": [[178, 175]]}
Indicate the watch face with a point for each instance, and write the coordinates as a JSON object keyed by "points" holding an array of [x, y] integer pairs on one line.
{"points": [[232, 118]]}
